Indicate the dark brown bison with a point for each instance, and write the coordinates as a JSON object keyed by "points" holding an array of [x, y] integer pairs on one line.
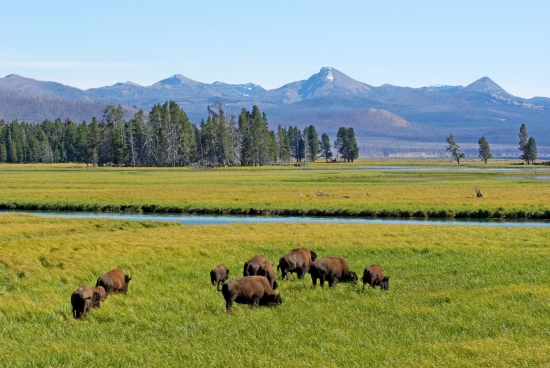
{"points": [[298, 261], [374, 276], [101, 296], [83, 300], [260, 266], [332, 269], [218, 276], [114, 281], [252, 266], [253, 290]]}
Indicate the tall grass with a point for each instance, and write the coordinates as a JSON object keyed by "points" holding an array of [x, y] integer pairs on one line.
{"points": [[458, 296], [275, 191]]}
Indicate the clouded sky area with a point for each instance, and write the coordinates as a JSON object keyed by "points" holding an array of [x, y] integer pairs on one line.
{"points": [[407, 43]]}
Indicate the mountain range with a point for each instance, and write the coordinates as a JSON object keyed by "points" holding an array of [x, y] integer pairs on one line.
{"points": [[387, 119]]}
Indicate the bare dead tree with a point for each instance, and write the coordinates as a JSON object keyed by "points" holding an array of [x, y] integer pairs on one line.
{"points": [[478, 191]]}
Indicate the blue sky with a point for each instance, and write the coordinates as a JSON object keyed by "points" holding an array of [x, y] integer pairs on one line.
{"points": [[408, 43]]}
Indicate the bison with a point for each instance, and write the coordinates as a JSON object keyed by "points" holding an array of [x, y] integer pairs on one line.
{"points": [[101, 296], [297, 260], [114, 281], [374, 276], [260, 266], [252, 290], [332, 269], [218, 276], [83, 300]]}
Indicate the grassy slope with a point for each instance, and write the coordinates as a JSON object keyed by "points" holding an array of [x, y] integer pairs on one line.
{"points": [[458, 296], [279, 190]]}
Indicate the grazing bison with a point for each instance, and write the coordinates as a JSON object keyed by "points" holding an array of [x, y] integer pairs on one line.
{"points": [[218, 276], [374, 275], [252, 266], [99, 291], [260, 266], [332, 269], [297, 260], [114, 281], [83, 300], [253, 290]]}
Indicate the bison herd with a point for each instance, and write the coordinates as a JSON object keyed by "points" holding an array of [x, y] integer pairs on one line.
{"points": [[258, 283], [256, 287], [85, 298]]}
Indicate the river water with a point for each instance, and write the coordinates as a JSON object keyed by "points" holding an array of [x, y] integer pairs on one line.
{"points": [[228, 219]]}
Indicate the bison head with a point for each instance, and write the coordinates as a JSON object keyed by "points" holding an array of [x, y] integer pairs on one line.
{"points": [[313, 256], [385, 283], [271, 299], [350, 277]]}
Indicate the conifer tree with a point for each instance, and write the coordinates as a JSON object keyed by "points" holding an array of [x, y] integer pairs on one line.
{"points": [[531, 150], [454, 149], [523, 140], [484, 149], [325, 147]]}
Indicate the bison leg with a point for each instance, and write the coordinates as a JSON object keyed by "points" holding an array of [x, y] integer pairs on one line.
{"points": [[314, 279], [228, 305], [322, 280], [302, 273]]}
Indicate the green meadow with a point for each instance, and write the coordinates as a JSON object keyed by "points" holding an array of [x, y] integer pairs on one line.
{"points": [[459, 296], [320, 189]]}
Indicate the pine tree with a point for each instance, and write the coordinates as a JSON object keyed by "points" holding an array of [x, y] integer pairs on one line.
{"points": [[340, 142], [531, 150], [325, 147], [523, 140], [484, 150], [352, 148], [246, 142], [94, 142], [313, 143], [454, 149]]}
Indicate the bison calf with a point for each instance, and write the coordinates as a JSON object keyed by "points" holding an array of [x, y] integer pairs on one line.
{"points": [[218, 276], [83, 300], [253, 290], [99, 291], [374, 276], [297, 260], [332, 269], [114, 281], [260, 266]]}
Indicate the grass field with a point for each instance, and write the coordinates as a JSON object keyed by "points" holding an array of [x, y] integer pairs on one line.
{"points": [[283, 190], [459, 296]]}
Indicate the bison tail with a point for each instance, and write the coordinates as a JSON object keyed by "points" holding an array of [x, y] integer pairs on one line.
{"points": [[97, 283]]}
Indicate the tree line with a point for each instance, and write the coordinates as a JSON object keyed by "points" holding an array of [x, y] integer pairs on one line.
{"points": [[527, 147], [166, 137]]}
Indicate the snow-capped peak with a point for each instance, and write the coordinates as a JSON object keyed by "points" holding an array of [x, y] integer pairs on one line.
{"points": [[326, 74]]}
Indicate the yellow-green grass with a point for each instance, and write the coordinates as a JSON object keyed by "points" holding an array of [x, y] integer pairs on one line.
{"points": [[279, 190], [459, 296]]}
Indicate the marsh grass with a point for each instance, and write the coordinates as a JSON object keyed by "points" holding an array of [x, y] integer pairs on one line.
{"points": [[277, 191], [458, 296]]}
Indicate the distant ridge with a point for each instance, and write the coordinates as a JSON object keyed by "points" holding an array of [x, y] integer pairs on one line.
{"points": [[327, 99]]}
